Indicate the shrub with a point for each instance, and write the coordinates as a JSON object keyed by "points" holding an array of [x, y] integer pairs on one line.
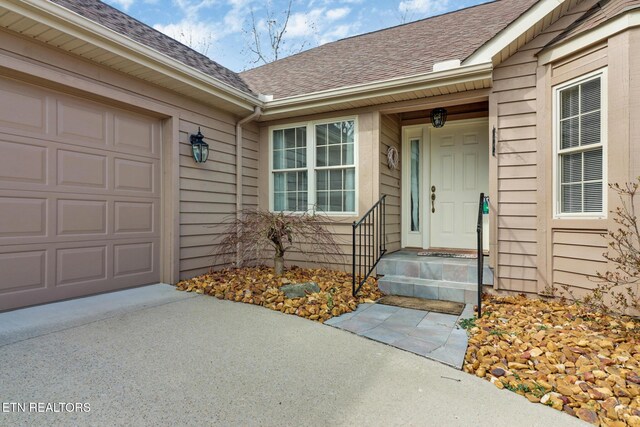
{"points": [[255, 233], [617, 288]]}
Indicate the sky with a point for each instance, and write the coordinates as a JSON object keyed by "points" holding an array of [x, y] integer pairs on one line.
{"points": [[222, 29]]}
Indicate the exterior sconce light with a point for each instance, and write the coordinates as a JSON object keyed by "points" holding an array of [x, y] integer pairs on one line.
{"points": [[199, 148], [438, 117]]}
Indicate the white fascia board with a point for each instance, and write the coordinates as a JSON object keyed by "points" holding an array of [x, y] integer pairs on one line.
{"points": [[514, 30], [382, 88], [71, 23], [580, 41]]}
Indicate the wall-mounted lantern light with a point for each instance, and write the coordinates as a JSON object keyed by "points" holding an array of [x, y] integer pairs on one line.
{"points": [[199, 148], [438, 117]]}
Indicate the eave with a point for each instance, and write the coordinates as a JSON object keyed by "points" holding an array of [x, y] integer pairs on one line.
{"points": [[57, 26], [423, 85]]}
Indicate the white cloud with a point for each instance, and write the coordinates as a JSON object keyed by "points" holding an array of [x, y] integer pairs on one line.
{"points": [[198, 35], [427, 7], [338, 32], [191, 8], [339, 13], [125, 4], [303, 24]]}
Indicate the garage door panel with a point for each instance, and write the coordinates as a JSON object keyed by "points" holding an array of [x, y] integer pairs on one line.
{"points": [[133, 258], [23, 217], [79, 196], [85, 264], [135, 134], [134, 175], [81, 122], [23, 270], [76, 168], [81, 217], [22, 108], [20, 162], [134, 217]]}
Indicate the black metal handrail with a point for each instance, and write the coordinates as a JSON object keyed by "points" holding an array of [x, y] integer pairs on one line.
{"points": [[480, 253], [369, 243]]}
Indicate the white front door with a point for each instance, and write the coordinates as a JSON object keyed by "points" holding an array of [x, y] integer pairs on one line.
{"points": [[459, 173], [452, 165]]}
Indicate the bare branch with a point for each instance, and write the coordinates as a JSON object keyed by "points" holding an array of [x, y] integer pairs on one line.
{"points": [[262, 234]]}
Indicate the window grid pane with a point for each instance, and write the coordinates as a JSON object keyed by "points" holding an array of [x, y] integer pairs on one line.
{"points": [[581, 171], [290, 148], [335, 147], [290, 191], [335, 190], [334, 168]]}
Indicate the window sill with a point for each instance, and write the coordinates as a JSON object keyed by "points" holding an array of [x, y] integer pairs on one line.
{"points": [[580, 222]]}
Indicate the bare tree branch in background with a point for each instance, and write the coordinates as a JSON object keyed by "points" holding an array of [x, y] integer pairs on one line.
{"points": [[266, 40], [191, 37]]}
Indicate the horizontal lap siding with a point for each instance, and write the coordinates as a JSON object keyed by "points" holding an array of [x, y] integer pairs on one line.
{"points": [[208, 191], [514, 91], [577, 258], [390, 179]]}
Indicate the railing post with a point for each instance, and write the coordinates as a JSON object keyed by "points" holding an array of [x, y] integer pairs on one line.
{"points": [[367, 256], [480, 255], [353, 263]]}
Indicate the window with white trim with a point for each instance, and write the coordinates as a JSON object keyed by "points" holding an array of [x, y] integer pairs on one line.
{"points": [[313, 167], [580, 147]]}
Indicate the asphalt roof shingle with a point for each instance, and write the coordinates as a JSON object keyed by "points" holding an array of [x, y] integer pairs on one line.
{"points": [[400, 51], [124, 24], [600, 13]]}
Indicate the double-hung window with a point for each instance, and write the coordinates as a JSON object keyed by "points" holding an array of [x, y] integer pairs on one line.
{"points": [[580, 147], [313, 167]]}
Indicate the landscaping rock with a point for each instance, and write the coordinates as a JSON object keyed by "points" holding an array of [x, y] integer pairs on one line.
{"points": [[260, 286], [300, 290], [587, 415], [565, 356]]}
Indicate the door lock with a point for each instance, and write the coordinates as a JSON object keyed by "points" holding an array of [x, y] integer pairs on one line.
{"points": [[433, 199]]}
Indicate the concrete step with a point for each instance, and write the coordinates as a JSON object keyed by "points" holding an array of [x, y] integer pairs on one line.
{"points": [[429, 289], [458, 270]]}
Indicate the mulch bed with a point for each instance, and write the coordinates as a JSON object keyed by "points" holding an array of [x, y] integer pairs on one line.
{"points": [[584, 363], [260, 286]]}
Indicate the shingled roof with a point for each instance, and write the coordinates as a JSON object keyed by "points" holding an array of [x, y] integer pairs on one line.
{"points": [[400, 51], [124, 24], [600, 13]]}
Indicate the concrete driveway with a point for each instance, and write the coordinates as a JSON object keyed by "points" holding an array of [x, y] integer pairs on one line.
{"points": [[153, 356]]}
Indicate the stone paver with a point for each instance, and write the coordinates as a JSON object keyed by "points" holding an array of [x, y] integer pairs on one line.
{"points": [[432, 335]]}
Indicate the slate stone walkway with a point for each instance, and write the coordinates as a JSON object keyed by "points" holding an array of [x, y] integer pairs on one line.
{"points": [[433, 335]]}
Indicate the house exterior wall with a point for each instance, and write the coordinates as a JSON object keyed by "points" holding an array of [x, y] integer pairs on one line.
{"points": [[208, 192], [537, 252], [390, 180], [368, 167], [518, 112], [195, 198]]}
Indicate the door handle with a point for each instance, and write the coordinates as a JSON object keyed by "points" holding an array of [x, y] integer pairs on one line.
{"points": [[433, 199]]}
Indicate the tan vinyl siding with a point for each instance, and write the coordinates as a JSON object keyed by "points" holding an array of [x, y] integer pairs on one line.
{"points": [[390, 136], [516, 110], [577, 258], [634, 102], [208, 192]]}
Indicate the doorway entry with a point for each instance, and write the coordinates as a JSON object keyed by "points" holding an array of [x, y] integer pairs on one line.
{"points": [[444, 171]]}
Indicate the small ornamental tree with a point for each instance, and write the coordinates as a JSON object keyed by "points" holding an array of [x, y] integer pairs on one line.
{"points": [[253, 234], [618, 288]]}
